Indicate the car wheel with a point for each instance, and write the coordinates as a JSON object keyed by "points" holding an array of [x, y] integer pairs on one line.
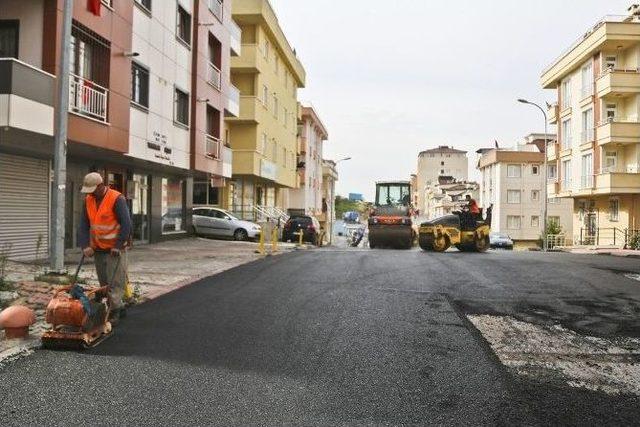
{"points": [[241, 235], [194, 230]]}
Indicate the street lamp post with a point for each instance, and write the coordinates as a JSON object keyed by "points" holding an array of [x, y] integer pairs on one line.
{"points": [[333, 202], [544, 182]]}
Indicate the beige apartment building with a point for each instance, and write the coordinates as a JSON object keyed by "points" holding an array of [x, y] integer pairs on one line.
{"points": [[328, 216], [448, 196], [312, 134], [595, 161], [513, 182], [264, 136], [437, 162]]}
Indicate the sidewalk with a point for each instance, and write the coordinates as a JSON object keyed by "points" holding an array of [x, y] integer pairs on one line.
{"points": [[154, 270], [602, 251]]}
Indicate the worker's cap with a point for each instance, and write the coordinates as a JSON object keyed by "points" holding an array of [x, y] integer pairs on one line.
{"points": [[91, 182]]}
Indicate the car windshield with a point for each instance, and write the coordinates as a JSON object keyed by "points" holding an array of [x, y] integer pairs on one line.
{"points": [[393, 194]]}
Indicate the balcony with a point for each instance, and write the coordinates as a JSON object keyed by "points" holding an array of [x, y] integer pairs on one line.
{"points": [[233, 101], [235, 34], [212, 147], [553, 111], [252, 110], [614, 183], [87, 98], [619, 131], [302, 145], [552, 151], [215, 6], [586, 181], [618, 82], [26, 105], [214, 76], [227, 161], [251, 61], [553, 188]]}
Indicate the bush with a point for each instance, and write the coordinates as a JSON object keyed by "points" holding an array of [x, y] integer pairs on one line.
{"points": [[634, 241]]}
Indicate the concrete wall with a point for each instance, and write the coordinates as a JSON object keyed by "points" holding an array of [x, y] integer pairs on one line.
{"points": [[30, 14]]}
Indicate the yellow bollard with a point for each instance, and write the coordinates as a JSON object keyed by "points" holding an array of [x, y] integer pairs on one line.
{"points": [[261, 244], [274, 240], [301, 236]]}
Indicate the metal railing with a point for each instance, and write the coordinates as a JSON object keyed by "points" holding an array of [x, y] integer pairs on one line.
{"points": [[108, 3], [212, 147], [606, 236], [600, 23], [555, 241], [214, 76], [215, 6], [87, 98], [270, 213]]}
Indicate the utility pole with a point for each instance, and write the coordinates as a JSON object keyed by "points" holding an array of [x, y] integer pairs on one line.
{"points": [[56, 256]]}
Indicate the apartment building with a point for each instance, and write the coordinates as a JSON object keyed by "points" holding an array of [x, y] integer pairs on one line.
{"points": [[329, 178], [436, 162], [512, 181], [447, 196], [137, 111], [268, 74], [312, 134], [595, 161]]}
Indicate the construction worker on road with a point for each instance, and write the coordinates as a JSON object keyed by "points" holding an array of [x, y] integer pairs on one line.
{"points": [[104, 233], [474, 209]]}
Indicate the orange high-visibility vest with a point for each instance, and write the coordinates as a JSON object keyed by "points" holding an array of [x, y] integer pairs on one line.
{"points": [[103, 221]]}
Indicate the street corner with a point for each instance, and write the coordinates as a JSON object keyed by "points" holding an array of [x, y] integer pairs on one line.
{"points": [[555, 354]]}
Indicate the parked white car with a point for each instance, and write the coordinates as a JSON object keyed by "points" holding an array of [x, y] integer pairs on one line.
{"points": [[217, 222]]}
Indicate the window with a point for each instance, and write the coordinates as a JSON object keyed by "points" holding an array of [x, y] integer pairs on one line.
{"points": [[277, 61], [586, 180], [610, 62], [610, 112], [267, 49], [567, 139], [610, 161], [566, 93], [139, 85], [535, 221], [213, 122], [181, 107], [9, 36], [183, 30], [535, 195], [173, 212], [566, 174], [441, 163], [513, 222], [587, 80], [535, 170], [514, 171], [614, 208], [553, 220], [553, 200], [263, 144], [275, 107], [146, 4], [441, 171], [265, 95], [205, 194], [513, 196], [552, 172], [587, 125]]}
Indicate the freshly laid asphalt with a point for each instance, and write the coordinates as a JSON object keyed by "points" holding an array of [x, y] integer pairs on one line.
{"points": [[338, 337]]}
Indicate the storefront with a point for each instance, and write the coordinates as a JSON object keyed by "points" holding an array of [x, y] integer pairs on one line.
{"points": [[248, 192]]}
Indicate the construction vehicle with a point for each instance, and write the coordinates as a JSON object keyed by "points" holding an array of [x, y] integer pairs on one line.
{"points": [[462, 229], [79, 317], [390, 221]]}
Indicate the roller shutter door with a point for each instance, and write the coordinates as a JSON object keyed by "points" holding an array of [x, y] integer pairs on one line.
{"points": [[24, 206]]}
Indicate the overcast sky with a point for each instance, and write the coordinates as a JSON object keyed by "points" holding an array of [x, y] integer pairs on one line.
{"points": [[392, 78]]}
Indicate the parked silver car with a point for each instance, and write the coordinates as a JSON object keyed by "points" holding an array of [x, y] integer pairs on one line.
{"points": [[500, 240], [217, 222]]}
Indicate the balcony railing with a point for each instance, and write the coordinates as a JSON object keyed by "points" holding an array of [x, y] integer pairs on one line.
{"points": [[88, 98], [236, 36], [227, 161], [233, 100], [212, 147], [214, 77], [108, 3], [215, 6], [586, 181]]}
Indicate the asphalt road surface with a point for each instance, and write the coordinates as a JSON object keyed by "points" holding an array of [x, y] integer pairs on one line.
{"points": [[339, 337]]}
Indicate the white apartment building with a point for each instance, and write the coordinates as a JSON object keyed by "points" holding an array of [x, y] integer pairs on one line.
{"points": [[437, 162], [448, 196], [512, 181], [312, 134]]}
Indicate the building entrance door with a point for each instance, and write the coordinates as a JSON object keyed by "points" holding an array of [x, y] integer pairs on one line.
{"points": [[138, 193]]}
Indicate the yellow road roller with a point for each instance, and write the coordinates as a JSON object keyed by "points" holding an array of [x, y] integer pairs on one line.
{"points": [[466, 231]]}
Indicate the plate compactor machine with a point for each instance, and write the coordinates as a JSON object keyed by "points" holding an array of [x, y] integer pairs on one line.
{"points": [[390, 221], [464, 230], [79, 317]]}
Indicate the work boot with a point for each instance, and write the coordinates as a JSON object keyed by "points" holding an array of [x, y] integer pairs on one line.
{"points": [[115, 316]]}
